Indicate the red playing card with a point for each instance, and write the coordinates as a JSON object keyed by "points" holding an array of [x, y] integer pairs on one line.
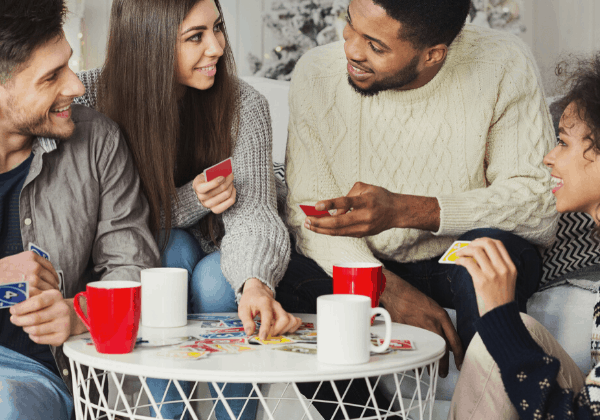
{"points": [[220, 169], [311, 211]]}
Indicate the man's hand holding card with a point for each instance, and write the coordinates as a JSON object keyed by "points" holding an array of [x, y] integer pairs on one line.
{"points": [[215, 188], [368, 210], [32, 268]]}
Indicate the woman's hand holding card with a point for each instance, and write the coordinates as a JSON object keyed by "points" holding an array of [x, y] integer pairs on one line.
{"points": [[493, 272], [217, 195]]}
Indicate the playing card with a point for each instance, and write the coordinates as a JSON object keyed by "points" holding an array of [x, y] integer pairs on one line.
{"points": [[13, 293], [61, 281], [302, 338], [161, 342], [270, 340], [222, 341], [449, 256], [223, 169], [229, 330], [311, 211], [212, 324], [208, 348], [209, 317], [306, 326], [33, 247], [396, 344], [296, 349], [233, 323], [182, 354], [222, 336]]}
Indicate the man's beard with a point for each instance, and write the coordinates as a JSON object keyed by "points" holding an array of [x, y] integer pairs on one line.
{"points": [[405, 76], [36, 125]]}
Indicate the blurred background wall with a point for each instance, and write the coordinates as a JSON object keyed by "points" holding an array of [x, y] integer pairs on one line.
{"points": [[553, 29]]}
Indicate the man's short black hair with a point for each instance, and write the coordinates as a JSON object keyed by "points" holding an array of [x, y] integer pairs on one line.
{"points": [[24, 26], [426, 23]]}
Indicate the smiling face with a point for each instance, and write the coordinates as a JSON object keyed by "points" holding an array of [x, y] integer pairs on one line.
{"points": [[37, 100], [575, 169], [200, 44], [378, 59]]}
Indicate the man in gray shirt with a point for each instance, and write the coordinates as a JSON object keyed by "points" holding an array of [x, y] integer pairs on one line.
{"points": [[68, 185]]}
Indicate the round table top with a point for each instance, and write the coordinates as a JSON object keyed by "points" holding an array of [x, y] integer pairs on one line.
{"points": [[263, 365]]}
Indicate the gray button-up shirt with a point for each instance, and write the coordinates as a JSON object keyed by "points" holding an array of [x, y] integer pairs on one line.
{"points": [[82, 203]]}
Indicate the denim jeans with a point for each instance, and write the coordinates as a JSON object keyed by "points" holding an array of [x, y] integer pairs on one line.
{"points": [[208, 291], [29, 390], [449, 285]]}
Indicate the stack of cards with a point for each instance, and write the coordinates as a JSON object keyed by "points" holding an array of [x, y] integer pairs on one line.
{"points": [[61, 277], [223, 169]]}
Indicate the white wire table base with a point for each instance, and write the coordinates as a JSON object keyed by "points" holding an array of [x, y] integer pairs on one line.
{"points": [[291, 402]]}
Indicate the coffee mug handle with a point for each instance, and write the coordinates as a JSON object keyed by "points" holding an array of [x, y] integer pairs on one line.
{"points": [[79, 311], [388, 330]]}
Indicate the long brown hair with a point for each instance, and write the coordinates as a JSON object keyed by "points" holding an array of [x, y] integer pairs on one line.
{"points": [[172, 140]]}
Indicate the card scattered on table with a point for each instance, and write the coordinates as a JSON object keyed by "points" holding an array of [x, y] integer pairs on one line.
{"points": [[297, 349], [13, 293], [270, 340], [450, 256], [223, 169]]}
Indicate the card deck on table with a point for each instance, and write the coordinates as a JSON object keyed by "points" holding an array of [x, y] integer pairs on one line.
{"points": [[449, 256], [223, 169], [13, 293], [311, 211], [297, 349]]}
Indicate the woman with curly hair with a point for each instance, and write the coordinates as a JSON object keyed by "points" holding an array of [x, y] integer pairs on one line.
{"points": [[514, 368]]}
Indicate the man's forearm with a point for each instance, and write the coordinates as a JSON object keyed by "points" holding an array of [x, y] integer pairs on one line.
{"points": [[417, 212], [77, 325]]}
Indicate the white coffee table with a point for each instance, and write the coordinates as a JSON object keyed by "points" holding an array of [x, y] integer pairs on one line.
{"points": [[262, 366]]}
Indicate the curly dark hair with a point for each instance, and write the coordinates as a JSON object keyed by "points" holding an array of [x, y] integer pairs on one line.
{"points": [[26, 25], [583, 90], [426, 23]]}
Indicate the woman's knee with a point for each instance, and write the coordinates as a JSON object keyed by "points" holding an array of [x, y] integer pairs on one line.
{"points": [[182, 250], [211, 292]]}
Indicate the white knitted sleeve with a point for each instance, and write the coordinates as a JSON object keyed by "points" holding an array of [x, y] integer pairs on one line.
{"points": [[519, 197]]}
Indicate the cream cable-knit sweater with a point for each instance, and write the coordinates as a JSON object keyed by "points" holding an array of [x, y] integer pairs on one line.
{"points": [[256, 243], [429, 141]]}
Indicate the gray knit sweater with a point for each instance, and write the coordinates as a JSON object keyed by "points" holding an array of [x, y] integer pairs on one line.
{"points": [[256, 243]]}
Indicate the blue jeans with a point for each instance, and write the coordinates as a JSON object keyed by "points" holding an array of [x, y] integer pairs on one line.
{"points": [[208, 291], [449, 285], [29, 390]]}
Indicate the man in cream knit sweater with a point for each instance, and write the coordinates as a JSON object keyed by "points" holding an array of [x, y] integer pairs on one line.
{"points": [[430, 131]]}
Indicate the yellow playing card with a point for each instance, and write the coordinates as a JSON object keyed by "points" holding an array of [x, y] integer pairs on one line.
{"points": [[450, 256]]}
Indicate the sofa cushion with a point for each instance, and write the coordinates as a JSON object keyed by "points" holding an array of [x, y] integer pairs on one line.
{"points": [[574, 248]]}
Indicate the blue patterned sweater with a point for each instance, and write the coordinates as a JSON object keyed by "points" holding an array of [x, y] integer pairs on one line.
{"points": [[529, 374]]}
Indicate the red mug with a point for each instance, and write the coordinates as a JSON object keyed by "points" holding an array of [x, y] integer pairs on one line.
{"points": [[359, 279], [113, 314]]}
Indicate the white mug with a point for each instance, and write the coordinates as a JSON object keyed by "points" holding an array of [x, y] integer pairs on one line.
{"points": [[164, 297], [343, 336]]}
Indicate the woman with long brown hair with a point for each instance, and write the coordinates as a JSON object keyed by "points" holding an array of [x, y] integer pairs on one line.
{"points": [[169, 82]]}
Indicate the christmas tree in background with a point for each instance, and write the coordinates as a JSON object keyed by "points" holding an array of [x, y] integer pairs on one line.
{"points": [[299, 25]]}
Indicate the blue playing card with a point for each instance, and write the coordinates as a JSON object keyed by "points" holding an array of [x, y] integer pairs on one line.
{"points": [[13, 293], [223, 335], [233, 323], [33, 247], [209, 317]]}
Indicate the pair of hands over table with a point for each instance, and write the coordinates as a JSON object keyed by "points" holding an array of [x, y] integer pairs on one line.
{"points": [[368, 210], [46, 316]]}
